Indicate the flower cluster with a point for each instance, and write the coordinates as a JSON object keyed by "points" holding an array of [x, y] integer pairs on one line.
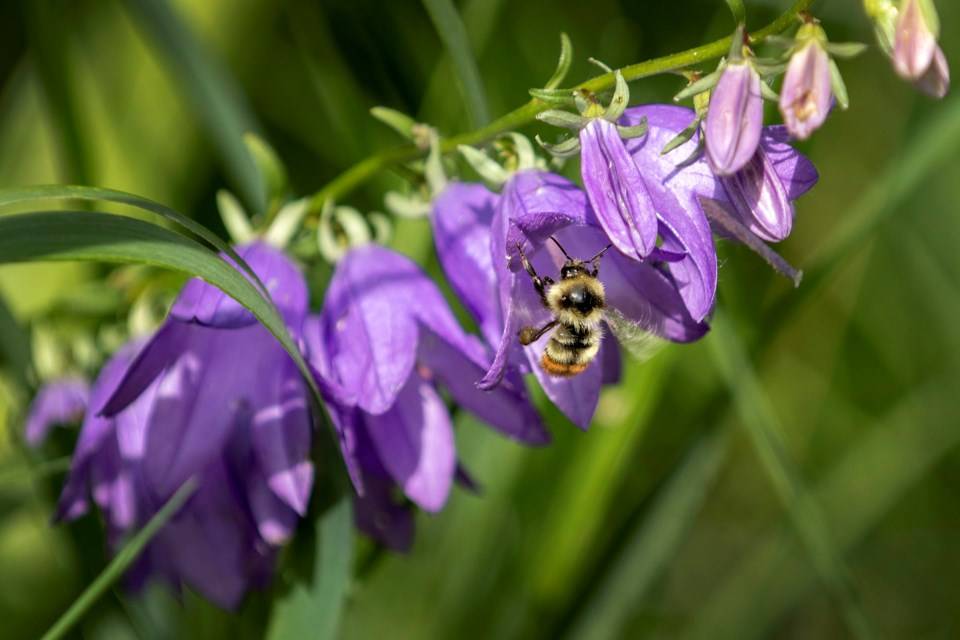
{"points": [[543, 267]]}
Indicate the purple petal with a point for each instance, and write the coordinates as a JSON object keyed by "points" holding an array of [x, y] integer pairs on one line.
{"points": [[206, 305], [506, 407], [378, 515], [414, 441], [616, 190], [611, 363], [274, 518], [914, 45], [684, 228], [200, 397], [93, 434], [760, 200], [280, 433], [58, 402], [462, 215], [806, 95], [734, 118], [796, 172]]}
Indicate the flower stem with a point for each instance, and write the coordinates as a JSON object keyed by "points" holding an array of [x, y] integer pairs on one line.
{"points": [[370, 166]]}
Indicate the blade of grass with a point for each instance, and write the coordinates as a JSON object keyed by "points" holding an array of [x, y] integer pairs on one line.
{"points": [[655, 542], [898, 451], [453, 34], [763, 428], [313, 610], [124, 558], [219, 102]]}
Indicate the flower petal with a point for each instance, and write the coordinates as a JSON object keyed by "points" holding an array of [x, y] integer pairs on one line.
{"points": [[58, 402], [914, 45], [378, 515], [796, 172], [414, 441], [505, 407], [806, 94], [204, 304], [759, 199], [462, 215], [616, 190], [936, 81]]}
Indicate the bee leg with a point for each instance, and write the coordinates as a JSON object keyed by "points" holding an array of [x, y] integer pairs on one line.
{"points": [[529, 335], [540, 284]]}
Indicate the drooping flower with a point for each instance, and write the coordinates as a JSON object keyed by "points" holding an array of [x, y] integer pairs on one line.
{"points": [[533, 206], [760, 197], [58, 402], [807, 94], [383, 343], [734, 118], [213, 397]]}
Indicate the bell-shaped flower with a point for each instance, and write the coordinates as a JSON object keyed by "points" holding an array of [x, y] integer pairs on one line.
{"points": [[383, 343], [807, 93], [58, 402], [734, 118], [535, 205], [213, 397], [760, 196]]}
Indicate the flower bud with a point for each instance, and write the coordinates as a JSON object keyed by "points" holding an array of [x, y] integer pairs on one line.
{"points": [[734, 119], [914, 41], [760, 198], [806, 92], [936, 81]]}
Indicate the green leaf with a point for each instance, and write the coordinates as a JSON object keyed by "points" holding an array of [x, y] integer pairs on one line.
{"points": [[313, 610], [845, 49], [738, 11], [14, 345], [654, 542], [74, 235], [120, 563], [453, 34], [838, 86], [41, 193], [399, 122], [271, 169], [563, 63], [806, 515], [219, 102]]}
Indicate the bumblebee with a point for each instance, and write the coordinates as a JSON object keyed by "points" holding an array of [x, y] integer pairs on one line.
{"points": [[577, 303]]}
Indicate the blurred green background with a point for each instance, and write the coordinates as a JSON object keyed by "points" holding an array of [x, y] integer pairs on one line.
{"points": [[793, 475]]}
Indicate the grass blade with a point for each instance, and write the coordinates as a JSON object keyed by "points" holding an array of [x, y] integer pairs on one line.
{"points": [[656, 541], [313, 610], [453, 34], [759, 419], [219, 102], [897, 452], [124, 558]]}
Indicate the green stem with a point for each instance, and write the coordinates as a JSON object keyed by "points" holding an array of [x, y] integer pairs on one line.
{"points": [[370, 166], [120, 562]]}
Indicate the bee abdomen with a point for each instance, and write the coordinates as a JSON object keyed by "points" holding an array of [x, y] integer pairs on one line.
{"points": [[569, 351]]}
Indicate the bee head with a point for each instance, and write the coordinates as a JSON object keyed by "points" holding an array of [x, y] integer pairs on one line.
{"points": [[573, 269]]}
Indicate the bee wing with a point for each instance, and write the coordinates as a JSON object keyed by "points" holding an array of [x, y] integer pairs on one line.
{"points": [[639, 343]]}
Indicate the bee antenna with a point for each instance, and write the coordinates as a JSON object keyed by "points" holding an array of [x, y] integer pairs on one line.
{"points": [[600, 253], [560, 246]]}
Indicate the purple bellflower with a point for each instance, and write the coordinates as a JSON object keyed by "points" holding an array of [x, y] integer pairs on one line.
{"points": [[760, 196], [807, 93], [211, 396], [916, 55], [383, 343], [477, 233], [59, 402], [735, 118]]}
